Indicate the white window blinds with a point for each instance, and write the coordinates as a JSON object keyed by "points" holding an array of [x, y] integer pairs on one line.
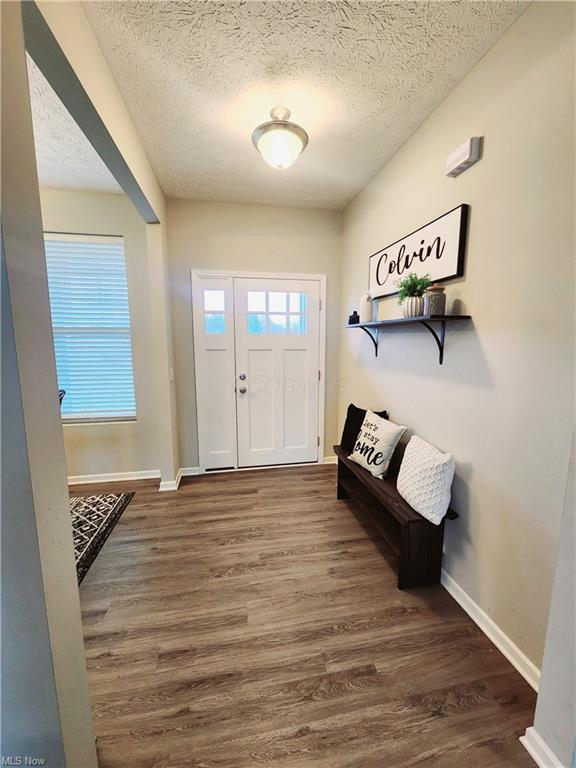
{"points": [[91, 323]]}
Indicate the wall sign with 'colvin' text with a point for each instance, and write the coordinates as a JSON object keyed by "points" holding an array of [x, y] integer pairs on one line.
{"points": [[436, 249]]}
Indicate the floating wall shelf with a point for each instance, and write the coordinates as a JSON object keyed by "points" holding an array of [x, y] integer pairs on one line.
{"points": [[373, 328]]}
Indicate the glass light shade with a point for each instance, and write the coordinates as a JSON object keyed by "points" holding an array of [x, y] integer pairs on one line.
{"points": [[279, 141], [280, 147]]}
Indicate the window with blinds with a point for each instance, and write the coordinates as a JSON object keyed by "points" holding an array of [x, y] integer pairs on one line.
{"points": [[91, 323]]}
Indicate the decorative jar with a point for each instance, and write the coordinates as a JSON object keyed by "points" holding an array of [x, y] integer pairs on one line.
{"points": [[435, 300]]}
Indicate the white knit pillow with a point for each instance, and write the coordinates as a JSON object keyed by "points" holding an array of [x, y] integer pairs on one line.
{"points": [[375, 444], [425, 479]]}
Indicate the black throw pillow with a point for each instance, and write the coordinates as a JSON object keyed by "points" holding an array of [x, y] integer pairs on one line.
{"points": [[354, 419]]}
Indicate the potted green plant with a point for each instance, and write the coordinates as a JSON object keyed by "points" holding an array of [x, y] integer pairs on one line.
{"points": [[411, 290]]}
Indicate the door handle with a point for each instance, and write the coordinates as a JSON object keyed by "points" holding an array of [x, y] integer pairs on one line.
{"points": [[242, 390], [242, 377]]}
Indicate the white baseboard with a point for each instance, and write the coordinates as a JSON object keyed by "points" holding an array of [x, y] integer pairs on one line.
{"points": [[149, 474], [168, 485], [189, 471], [330, 459], [171, 485], [539, 751], [515, 656], [112, 477]]}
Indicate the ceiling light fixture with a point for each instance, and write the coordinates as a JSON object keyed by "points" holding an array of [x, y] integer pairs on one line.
{"points": [[279, 141]]}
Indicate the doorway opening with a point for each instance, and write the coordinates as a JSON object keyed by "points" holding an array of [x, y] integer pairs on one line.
{"points": [[259, 356]]}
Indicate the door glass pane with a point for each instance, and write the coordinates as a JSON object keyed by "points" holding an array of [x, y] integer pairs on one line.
{"points": [[256, 301], [277, 323], [276, 302], [256, 323], [298, 302], [214, 301], [298, 324], [214, 322]]}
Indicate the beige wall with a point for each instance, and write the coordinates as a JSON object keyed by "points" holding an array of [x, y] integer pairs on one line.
{"points": [[113, 447], [501, 401], [249, 238], [71, 29]]}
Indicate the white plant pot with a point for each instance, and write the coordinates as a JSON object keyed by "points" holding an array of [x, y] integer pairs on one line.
{"points": [[413, 306]]}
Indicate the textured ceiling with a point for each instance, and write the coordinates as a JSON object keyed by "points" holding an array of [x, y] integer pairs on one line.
{"points": [[198, 77], [360, 77], [64, 156]]}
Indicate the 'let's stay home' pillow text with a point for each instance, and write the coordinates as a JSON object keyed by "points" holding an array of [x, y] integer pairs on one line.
{"points": [[376, 442]]}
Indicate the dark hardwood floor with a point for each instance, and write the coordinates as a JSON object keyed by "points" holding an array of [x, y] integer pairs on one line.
{"points": [[250, 619]]}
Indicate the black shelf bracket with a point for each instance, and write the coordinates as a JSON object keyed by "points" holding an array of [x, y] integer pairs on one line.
{"points": [[438, 338], [373, 338]]}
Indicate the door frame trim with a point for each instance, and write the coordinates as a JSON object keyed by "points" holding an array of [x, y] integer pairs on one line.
{"points": [[319, 278]]}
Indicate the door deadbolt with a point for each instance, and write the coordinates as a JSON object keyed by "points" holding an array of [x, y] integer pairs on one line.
{"points": [[242, 377]]}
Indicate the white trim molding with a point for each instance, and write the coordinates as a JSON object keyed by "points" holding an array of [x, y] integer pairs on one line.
{"points": [[258, 274], [114, 477], [330, 459], [539, 751], [189, 471], [505, 645], [322, 367], [171, 485]]}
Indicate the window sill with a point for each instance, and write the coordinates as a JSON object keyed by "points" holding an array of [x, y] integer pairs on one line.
{"points": [[72, 421]]}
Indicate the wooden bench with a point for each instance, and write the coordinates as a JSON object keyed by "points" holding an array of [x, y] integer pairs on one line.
{"points": [[416, 541]]}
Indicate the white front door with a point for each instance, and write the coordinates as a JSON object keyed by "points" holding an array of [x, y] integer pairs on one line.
{"points": [[277, 372]]}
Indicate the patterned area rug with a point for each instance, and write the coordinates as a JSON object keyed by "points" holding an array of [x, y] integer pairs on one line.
{"points": [[93, 518]]}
